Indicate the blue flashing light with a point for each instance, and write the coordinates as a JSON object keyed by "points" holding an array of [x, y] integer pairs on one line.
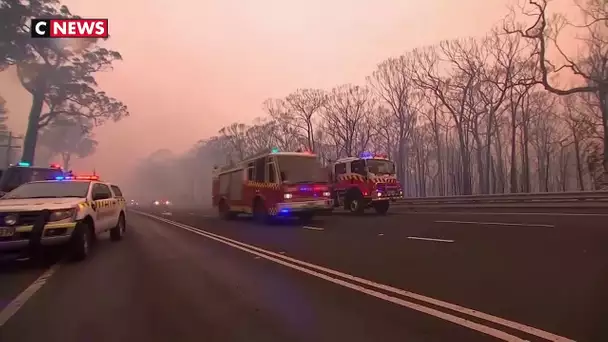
{"points": [[366, 155], [284, 211], [25, 164], [275, 150], [59, 178]]}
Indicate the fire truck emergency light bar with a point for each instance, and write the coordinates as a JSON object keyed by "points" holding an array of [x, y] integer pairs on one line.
{"points": [[369, 155]]}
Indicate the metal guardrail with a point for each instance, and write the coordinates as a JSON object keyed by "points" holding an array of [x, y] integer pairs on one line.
{"points": [[588, 199]]}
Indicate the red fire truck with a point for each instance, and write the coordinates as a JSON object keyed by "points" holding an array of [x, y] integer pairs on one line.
{"points": [[272, 184], [363, 182]]}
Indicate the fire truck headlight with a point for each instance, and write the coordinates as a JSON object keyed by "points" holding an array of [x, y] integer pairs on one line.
{"points": [[327, 194], [379, 194], [156, 202], [287, 196]]}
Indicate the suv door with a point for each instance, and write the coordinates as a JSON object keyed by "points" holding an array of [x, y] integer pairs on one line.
{"points": [[102, 200]]}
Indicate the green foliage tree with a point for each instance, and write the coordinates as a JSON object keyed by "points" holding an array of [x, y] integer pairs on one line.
{"points": [[59, 74], [68, 137]]}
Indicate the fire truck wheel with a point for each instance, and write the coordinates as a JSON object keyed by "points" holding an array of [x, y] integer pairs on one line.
{"points": [[224, 211], [355, 204], [381, 207], [260, 213]]}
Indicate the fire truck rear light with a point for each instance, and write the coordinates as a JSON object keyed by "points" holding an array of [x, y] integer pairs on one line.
{"points": [[287, 196]]}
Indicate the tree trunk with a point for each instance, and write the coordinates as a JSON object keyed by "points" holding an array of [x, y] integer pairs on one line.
{"points": [[525, 164], [513, 170], [465, 159], [579, 164], [66, 156], [31, 135], [604, 108]]}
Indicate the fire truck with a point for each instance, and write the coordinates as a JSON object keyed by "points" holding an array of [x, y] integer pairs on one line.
{"points": [[272, 184], [363, 182]]}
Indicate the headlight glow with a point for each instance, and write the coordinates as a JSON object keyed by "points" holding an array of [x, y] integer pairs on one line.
{"points": [[327, 194], [156, 202], [63, 214], [288, 196]]}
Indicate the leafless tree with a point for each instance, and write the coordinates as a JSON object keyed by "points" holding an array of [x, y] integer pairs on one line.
{"points": [[303, 105], [393, 85], [346, 113], [589, 66]]}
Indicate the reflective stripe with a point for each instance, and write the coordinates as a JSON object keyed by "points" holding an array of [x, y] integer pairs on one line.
{"points": [[265, 185]]}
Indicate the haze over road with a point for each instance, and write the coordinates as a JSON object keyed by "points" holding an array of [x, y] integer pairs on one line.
{"points": [[339, 278]]}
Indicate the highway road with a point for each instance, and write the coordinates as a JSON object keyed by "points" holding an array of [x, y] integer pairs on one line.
{"points": [[403, 277]]}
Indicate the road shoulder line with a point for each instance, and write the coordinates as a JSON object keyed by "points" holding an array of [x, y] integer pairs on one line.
{"points": [[11, 309]]}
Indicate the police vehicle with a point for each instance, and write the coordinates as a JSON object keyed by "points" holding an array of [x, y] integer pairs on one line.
{"points": [[22, 173], [70, 211]]}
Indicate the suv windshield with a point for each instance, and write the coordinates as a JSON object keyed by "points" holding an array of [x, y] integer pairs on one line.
{"points": [[15, 176], [49, 190], [300, 169], [381, 167]]}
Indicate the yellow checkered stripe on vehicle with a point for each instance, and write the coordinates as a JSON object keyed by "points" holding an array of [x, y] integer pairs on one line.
{"points": [[103, 203], [384, 180], [272, 211], [352, 177], [361, 178], [264, 185]]}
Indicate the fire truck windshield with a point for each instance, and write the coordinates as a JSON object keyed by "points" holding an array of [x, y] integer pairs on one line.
{"points": [[381, 167], [300, 169]]}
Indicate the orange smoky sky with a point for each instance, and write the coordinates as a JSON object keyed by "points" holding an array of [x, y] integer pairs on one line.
{"points": [[191, 67]]}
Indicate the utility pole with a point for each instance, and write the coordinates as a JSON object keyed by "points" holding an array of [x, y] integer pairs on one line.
{"points": [[11, 139]]}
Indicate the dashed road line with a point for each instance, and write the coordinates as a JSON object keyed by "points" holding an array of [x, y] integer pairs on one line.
{"points": [[312, 228], [429, 239], [500, 224]]}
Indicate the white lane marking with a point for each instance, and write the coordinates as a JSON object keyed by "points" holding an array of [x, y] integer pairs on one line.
{"points": [[428, 239], [500, 224], [16, 304], [430, 311], [311, 267], [495, 214], [312, 228]]}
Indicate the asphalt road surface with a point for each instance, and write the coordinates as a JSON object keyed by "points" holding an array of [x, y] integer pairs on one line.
{"points": [[402, 277]]}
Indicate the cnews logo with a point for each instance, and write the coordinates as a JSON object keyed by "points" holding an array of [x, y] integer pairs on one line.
{"points": [[69, 28]]}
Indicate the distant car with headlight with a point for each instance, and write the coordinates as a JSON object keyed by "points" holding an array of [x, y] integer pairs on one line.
{"points": [[162, 207], [69, 211]]}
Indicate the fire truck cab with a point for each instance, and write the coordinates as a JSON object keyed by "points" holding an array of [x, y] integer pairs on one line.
{"points": [[363, 182], [272, 184]]}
